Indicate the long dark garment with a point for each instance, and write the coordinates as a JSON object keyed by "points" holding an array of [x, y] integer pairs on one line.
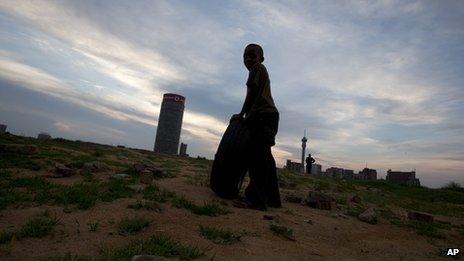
{"points": [[263, 190]]}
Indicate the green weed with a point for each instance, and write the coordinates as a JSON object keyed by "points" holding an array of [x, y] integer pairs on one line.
{"points": [[207, 209], [158, 245], [219, 235], [129, 226], [282, 231], [93, 226], [39, 226], [148, 205]]}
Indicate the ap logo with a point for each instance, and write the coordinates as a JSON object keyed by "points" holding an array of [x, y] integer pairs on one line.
{"points": [[452, 252]]}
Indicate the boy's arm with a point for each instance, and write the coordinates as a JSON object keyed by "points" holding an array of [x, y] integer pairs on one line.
{"points": [[252, 91]]}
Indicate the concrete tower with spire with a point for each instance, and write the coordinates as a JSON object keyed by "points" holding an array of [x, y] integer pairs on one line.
{"points": [[303, 152]]}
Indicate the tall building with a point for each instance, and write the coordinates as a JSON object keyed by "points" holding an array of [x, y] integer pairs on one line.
{"points": [[2, 128], [44, 136], [183, 150], [403, 177], [316, 169], [303, 152], [295, 166], [366, 174], [169, 124], [334, 172], [348, 174]]}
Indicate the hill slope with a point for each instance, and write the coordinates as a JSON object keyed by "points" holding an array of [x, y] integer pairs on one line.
{"points": [[60, 200]]}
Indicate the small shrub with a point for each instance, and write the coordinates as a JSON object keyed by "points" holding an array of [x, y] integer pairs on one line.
{"points": [[129, 226], [39, 226], [218, 235], [93, 226], [67, 257], [282, 231], [208, 209], [159, 245], [148, 205], [5, 236]]}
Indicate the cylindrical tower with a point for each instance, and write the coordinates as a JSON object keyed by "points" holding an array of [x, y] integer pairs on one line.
{"points": [[303, 152], [169, 124]]}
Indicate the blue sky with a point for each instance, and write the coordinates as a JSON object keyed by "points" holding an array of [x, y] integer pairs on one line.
{"points": [[376, 82]]}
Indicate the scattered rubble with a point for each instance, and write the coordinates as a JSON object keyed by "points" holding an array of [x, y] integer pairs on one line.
{"points": [[120, 176], [355, 199], [19, 148], [137, 187], [62, 171], [320, 200], [148, 168], [419, 216], [94, 167], [150, 258], [368, 216]]}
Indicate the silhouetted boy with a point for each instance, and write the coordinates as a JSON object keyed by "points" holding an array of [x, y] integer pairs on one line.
{"points": [[262, 118], [309, 163]]}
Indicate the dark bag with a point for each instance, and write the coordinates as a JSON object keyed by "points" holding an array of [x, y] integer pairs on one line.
{"points": [[230, 161]]}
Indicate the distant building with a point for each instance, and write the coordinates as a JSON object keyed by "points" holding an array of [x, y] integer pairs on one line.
{"points": [[316, 169], [366, 174], [183, 150], [403, 177], [44, 136], [2, 128], [294, 166], [348, 174], [169, 124], [334, 172]]}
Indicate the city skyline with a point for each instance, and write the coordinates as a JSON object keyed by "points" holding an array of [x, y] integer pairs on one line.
{"points": [[378, 82]]}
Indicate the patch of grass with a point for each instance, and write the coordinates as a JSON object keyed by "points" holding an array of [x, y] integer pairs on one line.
{"points": [[158, 245], [156, 194], [67, 257], [207, 209], [11, 160], [429, 229], [83, 194], [355, 210], [5, 174], [219, 235], [147, 204], [39, 226], [282, 231], [93, 226], [78, 162], [5, 237], [115, 189], [129, 226]]}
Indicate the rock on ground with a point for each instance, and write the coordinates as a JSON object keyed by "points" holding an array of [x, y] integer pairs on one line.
{"points": [[368, 216]]}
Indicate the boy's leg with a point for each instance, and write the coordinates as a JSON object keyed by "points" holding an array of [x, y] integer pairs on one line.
{"points": [[256, 190], [272, 188]]}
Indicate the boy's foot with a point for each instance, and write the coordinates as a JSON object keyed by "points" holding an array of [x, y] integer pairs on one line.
{"points": [[244, 203]]}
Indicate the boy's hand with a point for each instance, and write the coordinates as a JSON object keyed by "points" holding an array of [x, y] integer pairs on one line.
{"points": [[236, 117]]}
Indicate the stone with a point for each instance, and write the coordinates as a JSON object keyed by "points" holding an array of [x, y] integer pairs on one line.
{"points": [[320, 200], [120, 176], [419, 216], [368, 216], [146, 177], [94, 166], [137, 187], [150, 258], [63, 171], [355, 199], [309, 221], [293, 199], [270, 217], [19, 148]]}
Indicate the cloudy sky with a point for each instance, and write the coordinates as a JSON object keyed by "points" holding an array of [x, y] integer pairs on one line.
{"points": [[373, 82]]}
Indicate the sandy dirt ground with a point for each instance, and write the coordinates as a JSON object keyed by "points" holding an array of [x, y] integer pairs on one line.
{"points": [[319, 235]]}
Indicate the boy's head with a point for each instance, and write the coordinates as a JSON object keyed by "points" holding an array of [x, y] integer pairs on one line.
{"points": [[252, 55]]}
